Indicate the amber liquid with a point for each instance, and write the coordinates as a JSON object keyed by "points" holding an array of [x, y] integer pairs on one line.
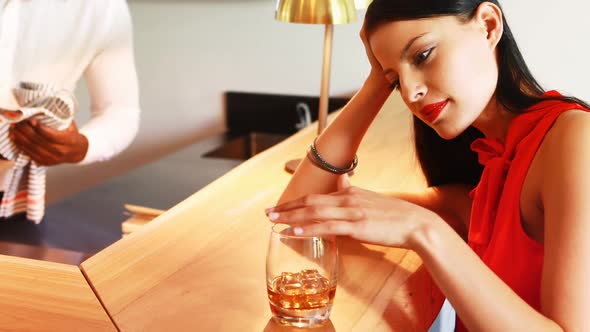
{"points": [[301, 299]]}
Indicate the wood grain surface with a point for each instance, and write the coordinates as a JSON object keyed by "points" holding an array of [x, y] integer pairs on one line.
{"points": [[45, 296], [200, 266]]}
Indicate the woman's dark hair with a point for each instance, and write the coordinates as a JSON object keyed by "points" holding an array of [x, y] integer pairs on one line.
{"points": [[452, 161]]}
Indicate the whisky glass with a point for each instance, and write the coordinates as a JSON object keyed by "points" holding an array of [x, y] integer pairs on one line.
{"points": [[301, 277]]}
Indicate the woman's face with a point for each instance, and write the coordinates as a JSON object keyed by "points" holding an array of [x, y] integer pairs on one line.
{"points": [[445, 70]]}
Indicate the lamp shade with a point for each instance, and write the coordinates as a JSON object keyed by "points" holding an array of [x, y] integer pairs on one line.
{"points": [[316, 11]]}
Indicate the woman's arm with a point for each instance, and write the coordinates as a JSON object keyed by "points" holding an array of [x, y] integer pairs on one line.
{"points": [[565, 194], [340, 140], [451, 202], [482, 300]]}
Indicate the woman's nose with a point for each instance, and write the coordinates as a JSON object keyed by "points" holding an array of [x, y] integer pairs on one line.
{"points": [[413, 87]]}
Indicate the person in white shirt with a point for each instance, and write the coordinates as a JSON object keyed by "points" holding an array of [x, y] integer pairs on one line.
{"points": [[56, 42]]}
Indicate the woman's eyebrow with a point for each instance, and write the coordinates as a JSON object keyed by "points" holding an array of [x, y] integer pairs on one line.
{"points": [[405, 51], [409, 44]]}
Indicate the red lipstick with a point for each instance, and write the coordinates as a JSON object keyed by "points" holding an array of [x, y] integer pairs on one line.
{"points": [[431, 112]]}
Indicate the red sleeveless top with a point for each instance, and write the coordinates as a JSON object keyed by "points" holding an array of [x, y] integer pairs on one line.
{"points": [[495, 229]]}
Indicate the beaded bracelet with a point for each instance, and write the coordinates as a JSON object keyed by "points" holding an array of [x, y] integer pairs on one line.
{"points": [[317, 160]]}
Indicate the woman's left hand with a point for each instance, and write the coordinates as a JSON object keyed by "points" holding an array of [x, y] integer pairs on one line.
{"points": [[361, 214], [48, 146]]}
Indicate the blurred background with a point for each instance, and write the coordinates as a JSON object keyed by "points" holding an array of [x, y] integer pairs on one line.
{"points": [[189, 53]]}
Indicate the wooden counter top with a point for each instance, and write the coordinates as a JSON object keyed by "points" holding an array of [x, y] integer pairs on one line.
{"points": [[201, 265], [46, 296]]}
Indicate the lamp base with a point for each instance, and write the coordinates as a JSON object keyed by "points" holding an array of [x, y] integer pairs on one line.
{"points": [[291, 166]]}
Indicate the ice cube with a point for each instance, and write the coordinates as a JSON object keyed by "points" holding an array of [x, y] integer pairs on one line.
{"points": [[312, 288], [290, 278], [312, 282], [312, 273], [290, 283]]}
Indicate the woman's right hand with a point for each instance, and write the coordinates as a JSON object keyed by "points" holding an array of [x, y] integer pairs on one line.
{"points": [[376, 69], [361, 214]]}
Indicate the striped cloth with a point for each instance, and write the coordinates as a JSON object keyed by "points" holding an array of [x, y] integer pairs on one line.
{"points": [[53, 108]]}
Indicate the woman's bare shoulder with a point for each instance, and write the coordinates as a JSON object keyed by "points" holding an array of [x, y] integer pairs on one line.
{"points": [[571, 129], [567, 144]]}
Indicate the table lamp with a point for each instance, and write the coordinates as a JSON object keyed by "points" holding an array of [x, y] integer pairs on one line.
{"points": [[327, 12]]}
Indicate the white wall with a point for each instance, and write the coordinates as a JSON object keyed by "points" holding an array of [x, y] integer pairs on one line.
{"points": [[554, 39], [189, 52]]}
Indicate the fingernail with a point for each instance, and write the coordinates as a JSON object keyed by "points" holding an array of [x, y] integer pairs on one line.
{"points": [[297, 230], [273, 216]]}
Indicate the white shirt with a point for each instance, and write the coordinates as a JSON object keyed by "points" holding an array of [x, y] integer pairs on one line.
{"points": [[55, 42]]}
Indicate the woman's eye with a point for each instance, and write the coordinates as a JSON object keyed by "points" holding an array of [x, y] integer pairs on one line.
{"points": [[423, 56]]}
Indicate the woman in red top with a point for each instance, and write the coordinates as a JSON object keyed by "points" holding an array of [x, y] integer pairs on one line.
{"points": [[506, 162]]}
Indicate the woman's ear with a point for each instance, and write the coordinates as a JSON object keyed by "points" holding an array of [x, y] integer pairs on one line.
{"points": [[489, 17]]}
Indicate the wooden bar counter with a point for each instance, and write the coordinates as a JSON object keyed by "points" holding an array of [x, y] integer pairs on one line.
{"points": [[201, 265], [46, 296]]}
